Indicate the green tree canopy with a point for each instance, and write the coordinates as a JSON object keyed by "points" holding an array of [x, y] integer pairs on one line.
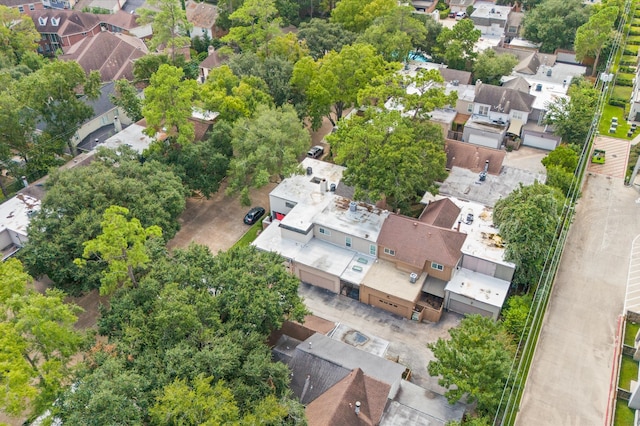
{"points": [[553, 23], [17, 36], [168, 104], [572, 117], [126, 97], [322, 36], [593, 36], [491, 67], [37, 340], [527, 220], [475, 362], [455, 46], [331, 84], [561, 165], [358, 15], [75, 202], [254, 24], [389, 156], [170, 26], [266, 146]]}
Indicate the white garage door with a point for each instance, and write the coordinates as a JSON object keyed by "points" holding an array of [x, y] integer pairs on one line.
{"points": [[539, 142], [463, 308], [317, 280], [484, 141]]}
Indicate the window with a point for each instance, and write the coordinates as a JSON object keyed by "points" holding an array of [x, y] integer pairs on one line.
{"points": [[389, 251], [32, 7], [289, 204], [483, 110], [347, 241], [470, 108], [516, 114], [437, 266], [372, 249], [21, 9], [324, 232], [512, 29]]}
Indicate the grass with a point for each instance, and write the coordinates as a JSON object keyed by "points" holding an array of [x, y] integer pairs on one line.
{"points": [[609, 111], [624, 414], [628, 372], [622, 92], [630, 332], [249, 236]]}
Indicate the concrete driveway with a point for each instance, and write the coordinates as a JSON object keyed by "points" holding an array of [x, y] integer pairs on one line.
{"points": [[570, 375], [217, 222]]}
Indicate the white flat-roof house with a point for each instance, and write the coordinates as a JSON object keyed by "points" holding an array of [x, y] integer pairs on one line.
{"points": [[15, 215]]}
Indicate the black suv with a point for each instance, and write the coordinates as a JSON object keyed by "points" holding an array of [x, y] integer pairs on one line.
{"points": [[315, 152], [253, 215]]}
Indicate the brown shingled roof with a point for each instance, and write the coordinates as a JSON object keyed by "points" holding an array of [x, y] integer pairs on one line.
{"points": [[202, 15], [441, 213], [415, 242], [70, 22], [473, 157], [337, 405]]}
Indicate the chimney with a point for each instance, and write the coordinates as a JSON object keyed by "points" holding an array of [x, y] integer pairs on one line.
{"points": [[486, 166], [25, 182], [357, 407], [459, 222], [116, 124], [211, 50], [323, 185]]}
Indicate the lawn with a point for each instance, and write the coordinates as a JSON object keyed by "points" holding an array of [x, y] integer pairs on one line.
{"points": [[608, 112], [249, 236], [624, 414], [622, 92], [630, 332], [628, 372]]}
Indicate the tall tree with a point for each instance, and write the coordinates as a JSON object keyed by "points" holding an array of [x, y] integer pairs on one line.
{"points": [[126, 97], [553, 23], [389, 157], [455, 46], [593, 36], [265, 147], [75, 202], [255, 23], [491, 67], [358, 15], [332, 83], [168, 103], [474, 362], [121, 245], [170, 26], [37, 341], [527, 220], [18, 35], [322, 36]]}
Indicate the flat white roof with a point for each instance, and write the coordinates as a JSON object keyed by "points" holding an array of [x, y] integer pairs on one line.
{"points": [[490, 10], [15, 213], [480, 287], [306, 188], [317, 254], [364, 223], [385, 277], [443, 115], [132, 136]]}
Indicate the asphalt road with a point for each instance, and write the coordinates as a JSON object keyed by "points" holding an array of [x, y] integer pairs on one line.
{"points": [[570, 374]]}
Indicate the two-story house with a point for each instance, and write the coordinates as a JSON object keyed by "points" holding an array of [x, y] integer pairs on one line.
{"points": [[490, 18], [60, 29], [22, 5], [203, 17]]}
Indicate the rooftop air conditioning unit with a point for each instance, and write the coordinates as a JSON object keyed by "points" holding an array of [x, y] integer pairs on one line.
{"points": [[413, 277]]}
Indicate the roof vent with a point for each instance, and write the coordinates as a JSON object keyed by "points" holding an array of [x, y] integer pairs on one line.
{"points": [[538, 87], [309, 171], [455, 82], [413, 277], [353, 206], [549, 72], [332, 187]]}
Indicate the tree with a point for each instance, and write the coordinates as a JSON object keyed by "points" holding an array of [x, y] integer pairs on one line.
{"points": [[389, 157], [232, 96], [332, 83], [475, 362], [358, 15], [563, 156], [75, 202], [455, 45], [17, 36], [491, 67], [126, 97], [37, 341], [594, 35], [147, 65], [51, 93], [394, 35], [170, 26], [264, 147], [515, 316], [322, 36], [553, 23], [572, 117], [121, 245], [254, 25], [527, 220], [167, 87]]}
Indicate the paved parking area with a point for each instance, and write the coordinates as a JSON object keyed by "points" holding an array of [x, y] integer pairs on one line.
{"points": [[570, 375], [616, 157], [632, 299]]}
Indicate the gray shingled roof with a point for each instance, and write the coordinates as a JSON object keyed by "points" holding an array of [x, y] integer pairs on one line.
{"points": [[503, 99]]}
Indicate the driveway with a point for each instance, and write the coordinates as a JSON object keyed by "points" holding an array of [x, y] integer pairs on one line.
{"points": [[217, 222], [569, 380]]}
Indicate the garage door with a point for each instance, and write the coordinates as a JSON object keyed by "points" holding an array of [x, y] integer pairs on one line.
{"points": [[484, 141], [379, 302], [463, 308], [539, 142], [479, 265], [318, 281]]}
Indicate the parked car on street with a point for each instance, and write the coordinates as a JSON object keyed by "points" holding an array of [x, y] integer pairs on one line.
{"points": [[254, 215], [315, 152]]}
